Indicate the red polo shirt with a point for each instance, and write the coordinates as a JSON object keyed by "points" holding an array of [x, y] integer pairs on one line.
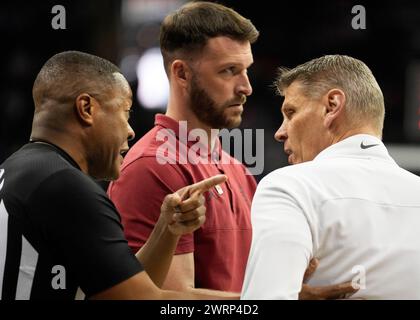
{"points": [[221, 246]]}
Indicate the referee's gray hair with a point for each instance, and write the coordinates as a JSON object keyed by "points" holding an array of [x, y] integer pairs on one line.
{"points": [[364, 98]]}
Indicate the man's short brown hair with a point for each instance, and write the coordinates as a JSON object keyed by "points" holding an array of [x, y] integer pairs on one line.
{"points": [[188, 29]]}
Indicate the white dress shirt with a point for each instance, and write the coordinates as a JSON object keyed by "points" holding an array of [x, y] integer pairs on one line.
{"points": [[353, 208]]}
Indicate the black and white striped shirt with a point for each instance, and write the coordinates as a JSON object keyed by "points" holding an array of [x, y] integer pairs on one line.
{"points": [[58, 229]]}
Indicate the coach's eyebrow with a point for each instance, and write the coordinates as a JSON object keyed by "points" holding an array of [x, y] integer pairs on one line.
{"points": [[287, 106]]}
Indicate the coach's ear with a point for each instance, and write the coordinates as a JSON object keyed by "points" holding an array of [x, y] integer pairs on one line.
{"points": [[334, 102], [85, 106]]}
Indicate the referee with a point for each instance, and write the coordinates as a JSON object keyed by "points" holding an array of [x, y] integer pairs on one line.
{"points": [[60, 235]]}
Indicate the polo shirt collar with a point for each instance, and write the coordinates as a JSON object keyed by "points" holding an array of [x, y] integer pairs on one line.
{"points": [[357, 146]]}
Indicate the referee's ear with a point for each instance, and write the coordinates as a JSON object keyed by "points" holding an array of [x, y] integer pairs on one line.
{"points": [[84, 105]]}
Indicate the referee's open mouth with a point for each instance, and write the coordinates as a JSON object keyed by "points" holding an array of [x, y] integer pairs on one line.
{"points": [[121, 155], [123, 152]]}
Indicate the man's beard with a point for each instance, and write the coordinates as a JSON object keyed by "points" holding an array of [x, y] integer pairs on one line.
{"points": [[206, 110]]}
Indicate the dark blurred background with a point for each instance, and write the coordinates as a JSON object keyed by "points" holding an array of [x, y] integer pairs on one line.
{"points": [[292, 32]]}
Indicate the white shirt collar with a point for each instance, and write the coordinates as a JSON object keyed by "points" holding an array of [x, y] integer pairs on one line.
{"points": [[357, 146]]}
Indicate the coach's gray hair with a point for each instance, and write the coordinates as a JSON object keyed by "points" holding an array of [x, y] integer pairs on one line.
{"points": [[364, 98]]}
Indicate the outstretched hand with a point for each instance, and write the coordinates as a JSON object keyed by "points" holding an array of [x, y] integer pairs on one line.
{"points": [[184, 210]]}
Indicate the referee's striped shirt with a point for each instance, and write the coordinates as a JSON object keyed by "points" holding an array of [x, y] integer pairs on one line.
{"points": [[59, 232]]}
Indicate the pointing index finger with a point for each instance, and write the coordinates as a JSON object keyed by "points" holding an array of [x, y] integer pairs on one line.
{"points": [[207, 184]]}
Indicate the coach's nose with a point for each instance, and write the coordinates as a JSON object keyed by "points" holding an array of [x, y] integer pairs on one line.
{"points": [[281, 133]]}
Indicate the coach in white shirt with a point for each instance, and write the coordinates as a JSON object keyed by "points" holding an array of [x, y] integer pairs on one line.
{"points": [[344, 201]]}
